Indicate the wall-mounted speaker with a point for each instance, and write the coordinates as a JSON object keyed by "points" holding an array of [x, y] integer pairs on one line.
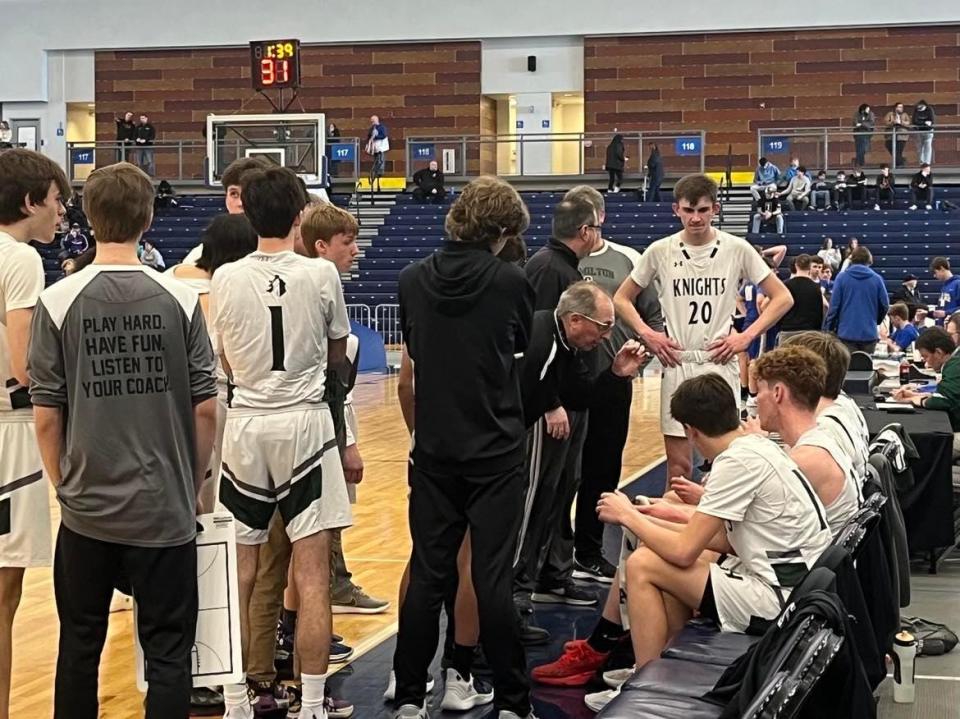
{"points": [[532, 63]]}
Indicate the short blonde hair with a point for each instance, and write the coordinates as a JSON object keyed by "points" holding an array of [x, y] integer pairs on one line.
{"points": [[322, 222], [118, 202]]}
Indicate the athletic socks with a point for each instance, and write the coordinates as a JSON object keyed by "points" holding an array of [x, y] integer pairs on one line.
{"points": [[235, 695], [463, 660], [313, 689], [288, 622], [606, 635]]}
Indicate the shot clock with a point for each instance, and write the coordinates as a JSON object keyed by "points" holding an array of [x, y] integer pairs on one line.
{"points": [[275, 64]]}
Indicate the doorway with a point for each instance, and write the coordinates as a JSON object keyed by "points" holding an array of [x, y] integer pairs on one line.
{"points": [[26, 133]]}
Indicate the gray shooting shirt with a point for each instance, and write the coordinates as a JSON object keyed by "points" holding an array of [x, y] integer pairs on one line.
{"points": [[609, 267], [124, 352]]}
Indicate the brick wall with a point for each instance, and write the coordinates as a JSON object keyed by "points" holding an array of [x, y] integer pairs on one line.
{"points": [[732, 84], [417, 89]]}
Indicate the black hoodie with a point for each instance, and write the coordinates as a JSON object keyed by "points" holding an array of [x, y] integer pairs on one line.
{"points": [[615, 153], [465, 315]]}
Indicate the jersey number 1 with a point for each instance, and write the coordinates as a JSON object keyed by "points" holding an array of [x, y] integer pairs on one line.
{"points": [[701, 313], [276, 335]]}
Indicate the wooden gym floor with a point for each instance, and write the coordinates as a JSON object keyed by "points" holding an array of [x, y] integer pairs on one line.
{"points": [[376, 548]]}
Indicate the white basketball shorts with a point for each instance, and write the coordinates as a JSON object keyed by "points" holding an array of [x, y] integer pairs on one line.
{"points": [[694, 364], [24, 496]]}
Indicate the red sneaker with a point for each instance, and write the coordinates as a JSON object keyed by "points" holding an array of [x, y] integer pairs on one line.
{"points": [[574, 668]]}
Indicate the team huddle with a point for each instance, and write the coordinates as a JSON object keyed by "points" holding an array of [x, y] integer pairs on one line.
{"points": [[148, 398]]}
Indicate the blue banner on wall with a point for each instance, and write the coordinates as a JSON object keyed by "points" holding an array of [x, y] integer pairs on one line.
{"points": [[82, 157], [342, 152], [773, 145], [687, 145], [423, 151]]}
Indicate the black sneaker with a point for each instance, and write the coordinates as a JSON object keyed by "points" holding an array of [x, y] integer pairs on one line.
{"points": [[594, 569], [206, 701], [569, 593], [530, 634]]}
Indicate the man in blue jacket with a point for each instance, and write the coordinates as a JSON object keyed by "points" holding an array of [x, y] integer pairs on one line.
{"points": [[949, 301], [858, 304], [766, 174]]}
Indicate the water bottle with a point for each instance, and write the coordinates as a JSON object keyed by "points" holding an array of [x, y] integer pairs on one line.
{"points": [[904, 371], [904, 654]]}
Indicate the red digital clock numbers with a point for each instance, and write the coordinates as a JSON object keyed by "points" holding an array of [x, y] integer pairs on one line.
{"points": [[275, 64]]}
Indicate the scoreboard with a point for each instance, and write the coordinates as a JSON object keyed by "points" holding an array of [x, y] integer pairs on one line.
{"points": [[275, 64]]}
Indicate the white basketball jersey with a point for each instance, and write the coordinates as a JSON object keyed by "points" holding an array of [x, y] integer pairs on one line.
{"points": [[845, 504], [775, 522], [844, 421], [272, 314], [21, 282], [698, 285]]}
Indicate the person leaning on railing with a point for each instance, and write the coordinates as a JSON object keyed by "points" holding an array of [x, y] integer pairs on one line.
{"points": [[864, 123], [924, 119], [898, 125]]}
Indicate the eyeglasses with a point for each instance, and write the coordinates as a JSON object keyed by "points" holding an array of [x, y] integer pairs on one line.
{"points": [[594, 227], [605, 326]]}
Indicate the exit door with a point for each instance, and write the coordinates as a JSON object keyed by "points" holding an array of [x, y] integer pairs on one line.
{"points": [[26, 133]]}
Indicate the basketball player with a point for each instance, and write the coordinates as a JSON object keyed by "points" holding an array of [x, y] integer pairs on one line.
{"points": [[608, 266], [33, 189], [278, 318], [124, 393], [698, 271], [790, 383], [233, 200], [757, 509], [837, 414]]}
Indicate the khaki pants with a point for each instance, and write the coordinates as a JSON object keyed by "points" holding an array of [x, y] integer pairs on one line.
{"points": [[266, 602]]}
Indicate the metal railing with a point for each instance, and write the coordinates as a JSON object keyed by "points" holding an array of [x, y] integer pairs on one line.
{"points": [[360, 314], [835, 148], [387, 323], [185, 161], [551, 154]]}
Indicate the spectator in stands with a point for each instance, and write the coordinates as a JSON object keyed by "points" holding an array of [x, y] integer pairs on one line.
{"points": [[333, 135], [924, 119], [765, 175], [126, 137], [852, 244], [826, 281], [898, 127], [6, 135], [950, 290], [921, 187], [857, 185], [829, 254], [841, 191], [615, 162], [939, 352], [73, 243], [768, 209], [151, 256], [821, 189], [858, 304], [797, 191], [654, 175], [429, 184], [165, 198], [75, 264], [790, 173], [864, 123], [146, 134], [333, 132], [885, 188], [907, 294], [903, 333], [807, 311], [378, 143]]}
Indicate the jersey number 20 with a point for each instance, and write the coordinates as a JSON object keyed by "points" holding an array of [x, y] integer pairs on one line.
{"points": [[702, 312]]}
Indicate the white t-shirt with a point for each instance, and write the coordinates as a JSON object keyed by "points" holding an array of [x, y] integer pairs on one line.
{"points": [[845, 504], [21, 282], [844, 422], [272, 314], [698, 285], [775, 522]]}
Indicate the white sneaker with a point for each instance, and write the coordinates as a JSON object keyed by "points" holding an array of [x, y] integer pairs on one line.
{"points": [[241, 712], [927, 207], [461, 694], [616, 677], [597, 701], [311, 714], [913, 207], [411, 711], [390, 693], [751, 406]]}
